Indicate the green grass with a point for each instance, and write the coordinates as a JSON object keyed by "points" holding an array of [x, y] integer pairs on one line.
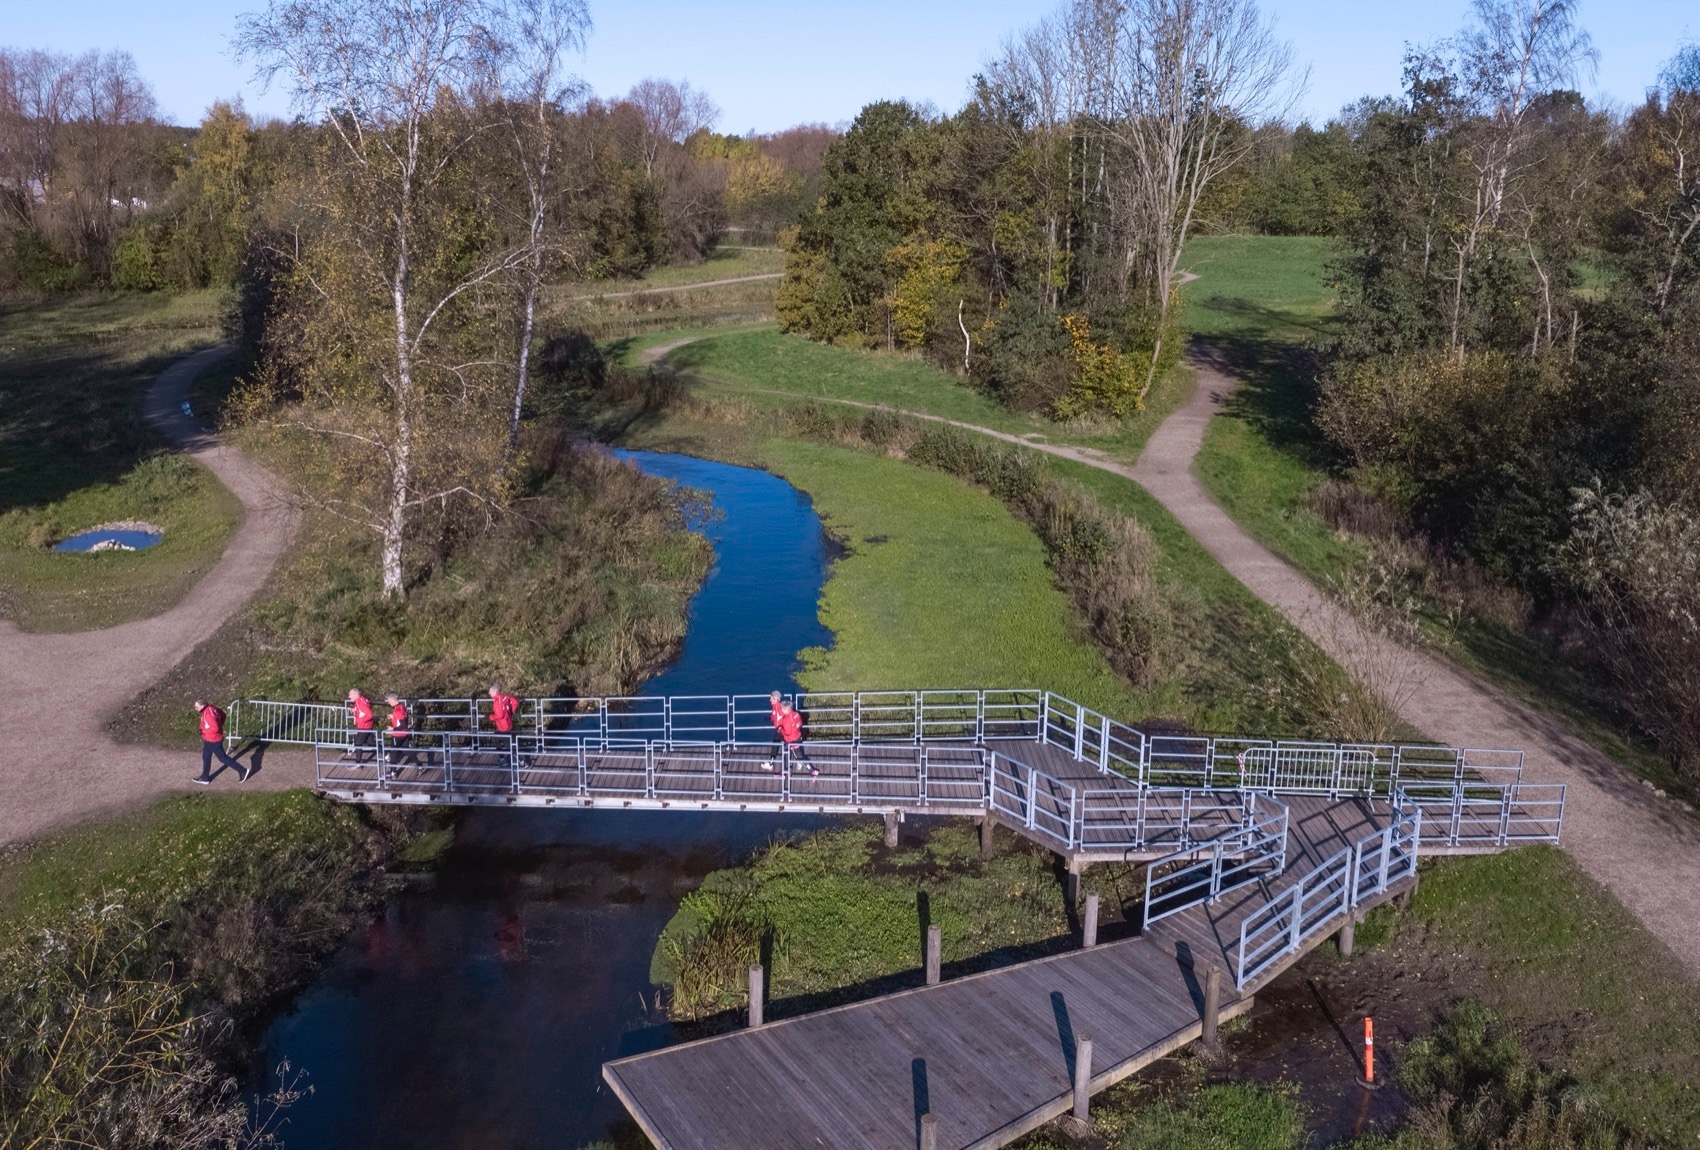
{"points": [[756, 361], [843, 914], [75, 453], [1564, 962], [1261, 287], [169, 854]]}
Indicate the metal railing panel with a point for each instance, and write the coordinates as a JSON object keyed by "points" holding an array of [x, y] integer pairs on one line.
{"points": [[634, 720], [621, 773], [889, 772], [888, 716], [573, 719], [1010, 714], [752, 772], [1210, 871], [750, 722], [1177, 761], [949, 716], [445, 715], [684, 773], [828, 715], [1042, 804], [701, 720], [271, 721]]}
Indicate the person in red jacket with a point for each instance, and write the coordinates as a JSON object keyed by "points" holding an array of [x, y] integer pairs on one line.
{"points": [[503, 707], [791, 734], [365, 723], [400, 734], [212, 744]]}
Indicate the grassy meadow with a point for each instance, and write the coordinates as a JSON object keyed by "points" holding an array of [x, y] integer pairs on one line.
{"points": [[74, 454]]}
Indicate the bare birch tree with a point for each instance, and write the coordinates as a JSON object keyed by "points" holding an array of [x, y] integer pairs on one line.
{"points": [[391, 80], [1516, 52], [1175, 76], [538, 34]]}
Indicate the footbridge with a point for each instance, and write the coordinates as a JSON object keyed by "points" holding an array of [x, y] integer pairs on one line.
{"points": [[1256, 851]]}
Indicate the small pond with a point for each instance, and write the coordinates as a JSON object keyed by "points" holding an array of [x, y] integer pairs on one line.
{"points": [[477, 1012], [109, 539]]}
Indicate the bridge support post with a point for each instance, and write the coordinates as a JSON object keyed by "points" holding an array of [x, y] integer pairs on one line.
{"points": [[935, 954], [986, 837], [929, 1132], [1212, 1009], [1082, 1079], [1089, 921], [755, 995], [891, 824], [1071, 885], [1344, 941]]}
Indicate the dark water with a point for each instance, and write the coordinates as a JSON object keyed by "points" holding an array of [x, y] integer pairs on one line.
{"points": [[126, 540], [478, 1013]]}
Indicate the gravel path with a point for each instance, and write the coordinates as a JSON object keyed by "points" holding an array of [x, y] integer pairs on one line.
{"points": [[681, 287], [1644, 849], [60, 691]]}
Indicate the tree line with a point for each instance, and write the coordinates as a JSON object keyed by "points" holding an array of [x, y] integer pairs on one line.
{"points": [[1033, 239]]}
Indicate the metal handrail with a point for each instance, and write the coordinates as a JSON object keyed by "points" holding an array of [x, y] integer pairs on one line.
{"points": [[1214, 869], [959, 715]]}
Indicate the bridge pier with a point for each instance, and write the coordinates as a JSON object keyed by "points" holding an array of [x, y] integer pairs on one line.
{"points": [[1344, 940], [1071, 885], [986, 837], [892, 819]]}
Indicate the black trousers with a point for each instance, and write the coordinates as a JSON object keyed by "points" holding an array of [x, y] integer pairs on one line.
{"points": [[402, 753], [213, 749], [365, 739]]}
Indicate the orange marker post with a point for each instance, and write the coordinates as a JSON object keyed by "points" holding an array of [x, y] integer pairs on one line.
{"points": [[1369, 1051]]}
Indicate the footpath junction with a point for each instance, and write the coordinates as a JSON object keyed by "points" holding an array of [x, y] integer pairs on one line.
{"points": [[1256, 850]]}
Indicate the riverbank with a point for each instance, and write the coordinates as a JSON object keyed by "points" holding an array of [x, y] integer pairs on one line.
{"points": [[138, 956]]}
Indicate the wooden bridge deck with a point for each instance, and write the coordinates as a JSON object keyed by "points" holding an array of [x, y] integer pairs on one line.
{"points": [[990, 1055]]}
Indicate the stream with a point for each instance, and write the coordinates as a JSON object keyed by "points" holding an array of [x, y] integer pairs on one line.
{"points": [[476, 1011]]}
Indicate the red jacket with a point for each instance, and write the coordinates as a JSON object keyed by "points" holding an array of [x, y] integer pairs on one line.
{"points": [[791, 727], [773, 712], [361, 708], [398, 720], [212, 724], [502, 708]]}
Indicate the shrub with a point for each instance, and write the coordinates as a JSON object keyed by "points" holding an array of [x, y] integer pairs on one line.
{"points": [[1636, 562]]}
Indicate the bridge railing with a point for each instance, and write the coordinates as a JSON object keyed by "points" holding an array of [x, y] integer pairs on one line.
{"points": [[473, 764], [1332, 889], [1207, 872], [1477, 814]]}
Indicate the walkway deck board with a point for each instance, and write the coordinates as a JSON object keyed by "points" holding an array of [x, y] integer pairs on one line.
{"points": [[983, 1054]]}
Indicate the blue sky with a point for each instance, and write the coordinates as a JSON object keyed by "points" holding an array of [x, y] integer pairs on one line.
{"points": [[770, 64]]}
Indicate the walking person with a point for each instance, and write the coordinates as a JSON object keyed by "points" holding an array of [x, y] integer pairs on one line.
{"points": [[365, 723], [400, 735], [212, 744], [503, 708], [791, 734]]}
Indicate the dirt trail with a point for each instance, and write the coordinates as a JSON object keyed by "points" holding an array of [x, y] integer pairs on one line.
{"points": [[682, 287], [59, 691], [1642, 848]]}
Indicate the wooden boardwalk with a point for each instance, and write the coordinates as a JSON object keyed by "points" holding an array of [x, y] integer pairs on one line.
{"points": [[990, 1055]]}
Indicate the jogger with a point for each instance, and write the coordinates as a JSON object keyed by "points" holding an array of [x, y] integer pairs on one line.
{"points": [[365, 726], [791, 734], [400, 735], [212, 744]]}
